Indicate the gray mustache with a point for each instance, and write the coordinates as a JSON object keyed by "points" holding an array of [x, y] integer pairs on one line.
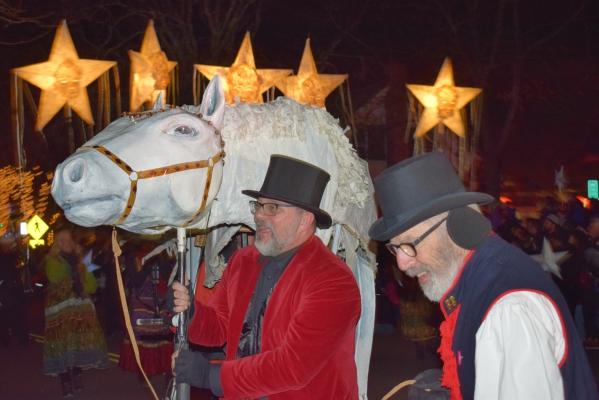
{"points": [[413, 272]]}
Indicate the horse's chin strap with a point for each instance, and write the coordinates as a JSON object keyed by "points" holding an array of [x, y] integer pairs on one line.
{"points": [[134, 176]]}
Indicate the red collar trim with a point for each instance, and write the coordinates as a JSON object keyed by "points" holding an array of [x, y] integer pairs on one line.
{"points": [[450, 379]]}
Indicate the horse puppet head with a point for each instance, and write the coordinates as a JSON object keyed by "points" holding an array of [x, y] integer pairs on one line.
{"points": [[149, 171]]}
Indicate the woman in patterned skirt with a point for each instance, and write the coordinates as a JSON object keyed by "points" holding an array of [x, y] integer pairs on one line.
{"points": [[146, 280], [73, 338]]}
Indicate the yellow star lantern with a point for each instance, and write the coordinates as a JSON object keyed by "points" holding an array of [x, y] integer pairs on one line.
{"points": [[442, 102], [309, 86], [242, 79], [63, 79], [150, 70]]}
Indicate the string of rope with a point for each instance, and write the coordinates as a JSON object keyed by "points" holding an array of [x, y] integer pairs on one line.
{"points": [[398, 388], [116, 249]]}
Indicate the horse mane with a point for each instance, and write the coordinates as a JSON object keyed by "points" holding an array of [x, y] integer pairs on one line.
{"points": [[286, 118]]}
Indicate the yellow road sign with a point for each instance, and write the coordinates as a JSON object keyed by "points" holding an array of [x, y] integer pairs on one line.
{"points": [[36, 227], [36, 242]]}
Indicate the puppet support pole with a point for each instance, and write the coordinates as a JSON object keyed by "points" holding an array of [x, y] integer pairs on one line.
{"points": [[182, 389]]}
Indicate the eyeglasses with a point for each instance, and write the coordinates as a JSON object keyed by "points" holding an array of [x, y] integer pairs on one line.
{"points": [[410, 248], [270, 209]]}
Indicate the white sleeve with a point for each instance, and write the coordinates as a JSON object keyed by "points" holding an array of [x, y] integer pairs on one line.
{"points": [[518, 349]]}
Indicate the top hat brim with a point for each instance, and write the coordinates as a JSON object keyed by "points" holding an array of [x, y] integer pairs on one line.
{"points": [[323, 219], [387, 228]]}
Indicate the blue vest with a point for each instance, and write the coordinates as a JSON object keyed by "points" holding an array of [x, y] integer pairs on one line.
{"points": [[492, 270]]}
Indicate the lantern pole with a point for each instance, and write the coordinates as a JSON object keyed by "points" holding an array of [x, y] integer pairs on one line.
{"points": [[17, 122], [68, 119], [181, 343]]}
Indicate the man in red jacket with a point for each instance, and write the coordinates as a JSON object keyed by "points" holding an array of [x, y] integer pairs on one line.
{"points": [[286, 307]]}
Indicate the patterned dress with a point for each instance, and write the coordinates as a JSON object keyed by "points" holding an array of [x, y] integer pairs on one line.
{"points": [[73, 337], [148, 301]]}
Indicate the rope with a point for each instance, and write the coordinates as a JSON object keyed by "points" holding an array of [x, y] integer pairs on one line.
{"points": [[117, 252], [398, 387]]}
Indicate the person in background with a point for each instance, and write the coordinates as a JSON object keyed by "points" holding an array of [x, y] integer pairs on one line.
{"points": [[420, 319], [146, 281], [12, 296], [573, 270], [533, 227], [73, 338], [555, 234], [590, 295]]}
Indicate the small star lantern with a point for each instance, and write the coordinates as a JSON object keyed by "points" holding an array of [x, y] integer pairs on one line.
{"points": [[243, 79], [549, 260], [150, 71], [560, 179], [309, 86], [442, 102]]}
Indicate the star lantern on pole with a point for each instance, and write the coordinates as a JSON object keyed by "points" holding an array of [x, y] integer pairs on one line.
{"points": [[63, 79], [442, 102], [243, 79], [560, 179], [550, 261], [150, 71], [309, 86]]}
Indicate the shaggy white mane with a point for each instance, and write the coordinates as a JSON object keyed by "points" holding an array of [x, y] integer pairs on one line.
{"points": [[286, 118]]}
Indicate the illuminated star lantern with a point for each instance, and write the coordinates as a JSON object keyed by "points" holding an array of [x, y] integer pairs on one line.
{"points": [[549, 260], [442, 102], [560, 179], [150, 71], [308, 86], [63, 79], [242, 79]]}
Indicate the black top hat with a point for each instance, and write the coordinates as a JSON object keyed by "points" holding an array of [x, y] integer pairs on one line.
{"points": [[417, 189], [295, 182]]}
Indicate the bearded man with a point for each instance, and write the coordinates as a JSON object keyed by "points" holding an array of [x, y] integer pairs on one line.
{"points": [[286, 306], [508, 333]]}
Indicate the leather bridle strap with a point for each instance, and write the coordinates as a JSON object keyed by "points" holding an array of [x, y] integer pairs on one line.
{"points": [[134, 176]]}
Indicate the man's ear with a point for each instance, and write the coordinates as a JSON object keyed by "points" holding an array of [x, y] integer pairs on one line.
{"points": [[307, 221]]}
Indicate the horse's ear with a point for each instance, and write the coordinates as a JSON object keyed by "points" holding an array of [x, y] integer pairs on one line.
{"points": [[159, 103], [213, 102]]}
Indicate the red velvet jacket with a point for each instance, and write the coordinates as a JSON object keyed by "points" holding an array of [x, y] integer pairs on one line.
{"points": [[308, 330]]}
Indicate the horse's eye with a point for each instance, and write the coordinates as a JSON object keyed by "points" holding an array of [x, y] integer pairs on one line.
{"points": [[184, 130]]}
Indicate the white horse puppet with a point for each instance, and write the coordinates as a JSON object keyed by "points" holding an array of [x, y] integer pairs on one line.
{"points": [[151, 171]]}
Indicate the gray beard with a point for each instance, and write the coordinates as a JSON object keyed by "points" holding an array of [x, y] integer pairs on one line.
{"points": [[278, 241], [441, 277]]}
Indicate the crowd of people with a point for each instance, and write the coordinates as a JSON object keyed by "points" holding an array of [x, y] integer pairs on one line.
{"points": [[76, 280], [566, 227]]}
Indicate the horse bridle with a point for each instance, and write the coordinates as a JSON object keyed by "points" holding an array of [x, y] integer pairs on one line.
{"points": [[135, 176]]}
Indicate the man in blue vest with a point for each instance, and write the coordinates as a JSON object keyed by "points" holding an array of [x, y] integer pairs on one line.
{"points": [[507, 332]]}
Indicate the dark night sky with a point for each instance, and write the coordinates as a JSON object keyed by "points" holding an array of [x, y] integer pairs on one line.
{"points": [[553, 44]]}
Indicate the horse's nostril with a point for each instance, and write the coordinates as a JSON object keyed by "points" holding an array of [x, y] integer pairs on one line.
{"points": [[76, 169]]}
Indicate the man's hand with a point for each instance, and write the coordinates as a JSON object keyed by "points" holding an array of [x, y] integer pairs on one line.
{"points": [[182, 299], [191, 368]]}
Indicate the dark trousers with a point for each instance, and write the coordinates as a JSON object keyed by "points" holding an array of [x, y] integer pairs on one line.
{"points": [[13, 316], [589, 300]]}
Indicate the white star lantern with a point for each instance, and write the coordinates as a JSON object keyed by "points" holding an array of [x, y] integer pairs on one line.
{"points": [[150, 71], [243, 79], [309, 86], [63, 79], [560, 179], [549, 260], [442, 102]]}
